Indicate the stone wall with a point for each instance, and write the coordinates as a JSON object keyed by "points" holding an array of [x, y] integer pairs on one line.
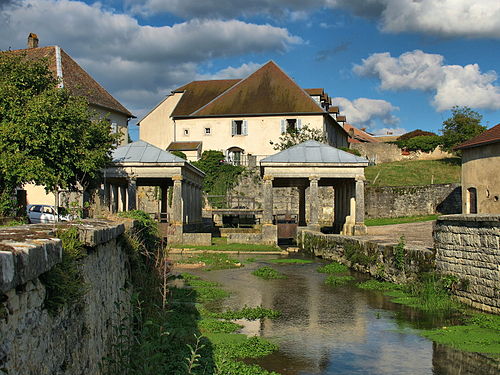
{"points": [[382, 152], [397, 201], [382, 260], [468, 246], [73, 341]]}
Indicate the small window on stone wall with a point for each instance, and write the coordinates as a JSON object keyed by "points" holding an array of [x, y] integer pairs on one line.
{"points": [[186, 132]]}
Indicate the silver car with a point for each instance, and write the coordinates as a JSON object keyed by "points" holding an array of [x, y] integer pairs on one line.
{"points": [[43, 213]]}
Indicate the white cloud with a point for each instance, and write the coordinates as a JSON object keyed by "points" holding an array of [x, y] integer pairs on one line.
{"points": [[120, 53], [450, 84], [367, 112], [390, 131], [230, 72]]}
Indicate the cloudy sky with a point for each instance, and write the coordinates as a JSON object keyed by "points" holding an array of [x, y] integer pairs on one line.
{"points": [[389, 64]]}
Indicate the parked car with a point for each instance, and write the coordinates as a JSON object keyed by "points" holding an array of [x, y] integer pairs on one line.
{"points": [[43, 213]]}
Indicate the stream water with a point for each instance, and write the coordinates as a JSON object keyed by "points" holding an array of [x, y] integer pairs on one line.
{"points": [[343, 330]]}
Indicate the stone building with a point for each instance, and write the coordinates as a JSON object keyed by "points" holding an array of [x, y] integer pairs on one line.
{"points": [[481, 173]]}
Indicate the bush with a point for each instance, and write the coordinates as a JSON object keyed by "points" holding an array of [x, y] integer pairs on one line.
{"points": [[350, 150], [424, 143], [179, 154], [415, 133]]}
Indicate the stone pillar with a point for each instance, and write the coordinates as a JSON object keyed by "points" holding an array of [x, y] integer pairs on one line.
{"points": [[177, 215], [106, 197], [114, 198], [132, 194], [359, 227], [267, 215], [314, 202], [302, 206]]}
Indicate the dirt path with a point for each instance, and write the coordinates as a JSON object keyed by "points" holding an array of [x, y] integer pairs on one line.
{"points": [[416, 234]]}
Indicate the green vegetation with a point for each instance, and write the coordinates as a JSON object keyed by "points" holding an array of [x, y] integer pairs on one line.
{"points": [[268, 273], [414, 172], [400, 254], [294, 136], [250, 313], [213, 261], [464, 124], [480, 334], [425, 143], [179, 154], [220, 244], [350, 150], [64, 282], [47, 136], [291, 261], [399, 220], [379, 285], [334, 267], [335, 280]]}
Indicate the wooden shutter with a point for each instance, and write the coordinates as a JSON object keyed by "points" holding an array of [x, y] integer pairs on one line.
{"points": [[283, 126], [299, 124], [233, 129], [244, 129]]}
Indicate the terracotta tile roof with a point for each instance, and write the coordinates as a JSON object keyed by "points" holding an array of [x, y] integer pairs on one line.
{"points": [[334, 109], [315, 92], [489, 136], [269, 90], [358, 136], [183, 146], [75, 79], [199, 93]]}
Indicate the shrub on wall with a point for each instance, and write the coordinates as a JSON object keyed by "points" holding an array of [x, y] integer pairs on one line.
{"points": [[424, 143]]}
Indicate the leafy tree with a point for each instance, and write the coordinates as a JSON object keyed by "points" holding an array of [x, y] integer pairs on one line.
{"points": [[464, 124], [47, 136], [294, 136], [425, 143], [415, 133]]}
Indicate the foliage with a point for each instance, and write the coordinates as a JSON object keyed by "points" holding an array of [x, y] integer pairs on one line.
{"points": [[291, 261], [355, 254], [218, 326], [145, 226], [463, 125], [334, 280], [415, 133], [351, 150], [219, 175], [219, 244], [268, 273], [378, 285], [213, 261], [64, 282], [250, 313], [399, 220], [424, 143], [400, 254], [47, 136], [294, 136], [179, 154], [414, 172], [333, 267]]}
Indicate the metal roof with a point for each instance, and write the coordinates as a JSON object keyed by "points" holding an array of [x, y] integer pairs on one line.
{"points": [[143, 152], [313, 152]]}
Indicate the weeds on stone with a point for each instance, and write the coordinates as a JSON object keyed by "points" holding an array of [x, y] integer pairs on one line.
{"points": [[268, 273], [400, 254]]}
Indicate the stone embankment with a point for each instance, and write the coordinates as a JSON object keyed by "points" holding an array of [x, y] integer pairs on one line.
{"points": [[74, 340], [468, 247]]}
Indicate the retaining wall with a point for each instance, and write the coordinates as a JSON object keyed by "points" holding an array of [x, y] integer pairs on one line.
{"points": [[73, 341], [398, 201], [382, 260], [468, 246]]}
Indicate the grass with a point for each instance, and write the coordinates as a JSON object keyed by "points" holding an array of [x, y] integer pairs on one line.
{"points": [[333, 267], [220, 244], [480, 334], [379, 285], [415, 172], [291, 261], [334, 280], [399, 220], [213, 261], [268, 273], [249, 313]]}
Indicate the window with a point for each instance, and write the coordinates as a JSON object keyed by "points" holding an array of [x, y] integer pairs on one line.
{"points": [[291, 124], [239, 127], [186, 132], [472, 200], [208, 131]]}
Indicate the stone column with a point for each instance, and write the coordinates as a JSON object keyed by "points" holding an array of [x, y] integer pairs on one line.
{"points": [[314, 202], [114, 198], [267, 215], [106, 197], [132, 194], [302, 206], [359, 227], [177, 216]]}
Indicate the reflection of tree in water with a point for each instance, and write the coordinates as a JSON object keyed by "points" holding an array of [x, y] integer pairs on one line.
{"points": [[449, 361]]}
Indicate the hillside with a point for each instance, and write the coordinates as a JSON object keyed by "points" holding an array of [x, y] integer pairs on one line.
{"points": [[414, 172]]}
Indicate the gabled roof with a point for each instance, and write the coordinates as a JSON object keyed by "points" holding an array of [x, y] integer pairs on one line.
{"points": [[313, 152], [199, 93], [489, 136], [184, 146], [74, 77], [143, 152], [358, 136], [269, 90]]}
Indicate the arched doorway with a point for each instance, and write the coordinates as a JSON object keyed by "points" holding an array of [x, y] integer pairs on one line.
{"points": [[472, 200], [235, 155]]}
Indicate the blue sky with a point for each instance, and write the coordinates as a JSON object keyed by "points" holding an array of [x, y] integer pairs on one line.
{"points": [[391, 65]]}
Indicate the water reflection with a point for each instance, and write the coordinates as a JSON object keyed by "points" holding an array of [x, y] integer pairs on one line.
{"points": [[325, 330]]}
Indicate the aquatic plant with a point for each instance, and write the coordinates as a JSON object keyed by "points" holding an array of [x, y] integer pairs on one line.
{"points": [[334, 280], [334, 267], [291, 261], [250, 313], [378, 285], [268, 273]]}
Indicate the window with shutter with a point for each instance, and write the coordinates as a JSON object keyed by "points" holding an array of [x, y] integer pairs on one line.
{"points": [[245, 127], [238, 127], [283, 126], [299, 124]]}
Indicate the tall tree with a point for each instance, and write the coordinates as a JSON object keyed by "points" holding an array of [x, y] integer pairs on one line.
{"points": [[295, 136], [47, 136], [461, 126]]}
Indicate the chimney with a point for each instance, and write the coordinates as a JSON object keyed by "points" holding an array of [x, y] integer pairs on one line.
{"points": [[32, 40]]}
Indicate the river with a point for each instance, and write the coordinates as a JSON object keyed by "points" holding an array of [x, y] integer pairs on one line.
{"points": [[343, 330]]}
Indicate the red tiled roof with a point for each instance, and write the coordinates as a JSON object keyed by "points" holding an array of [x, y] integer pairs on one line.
{"points": [[315, 92], [75, 78], [358, 136], [199, 93], [183, 146], [489, 136], [269, 90]]}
